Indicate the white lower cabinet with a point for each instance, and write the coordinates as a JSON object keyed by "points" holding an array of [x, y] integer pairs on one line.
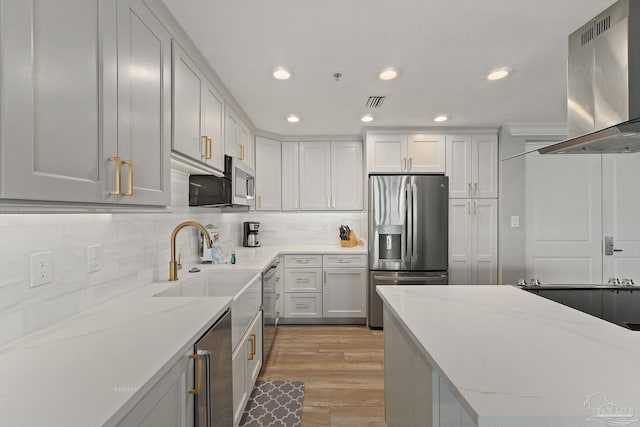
{"points": [[325, 287], [168, 403], [345, 292], [246, 364], [473, 241]]}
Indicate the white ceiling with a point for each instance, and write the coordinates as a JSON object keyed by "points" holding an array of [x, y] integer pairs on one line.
{"points": [[444, 48]]}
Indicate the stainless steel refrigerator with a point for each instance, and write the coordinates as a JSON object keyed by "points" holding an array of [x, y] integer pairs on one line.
{"points": [[408, 234]]}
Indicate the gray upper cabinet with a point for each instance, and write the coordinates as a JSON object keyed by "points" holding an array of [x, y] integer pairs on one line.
{"points": [[53, 120], [144, 109], [198, 113], [85, 114]]}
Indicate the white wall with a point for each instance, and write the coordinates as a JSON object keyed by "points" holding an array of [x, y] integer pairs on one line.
{"points": [[136, 252]]}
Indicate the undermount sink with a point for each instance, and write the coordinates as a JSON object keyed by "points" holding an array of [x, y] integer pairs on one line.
{"points": [[244, 287]]}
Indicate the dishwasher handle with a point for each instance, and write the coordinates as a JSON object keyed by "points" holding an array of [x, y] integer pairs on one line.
{"points": [[438, 278]]}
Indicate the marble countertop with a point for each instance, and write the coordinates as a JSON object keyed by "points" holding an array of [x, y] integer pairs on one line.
{"points": [[92, 368], [514, 359]]}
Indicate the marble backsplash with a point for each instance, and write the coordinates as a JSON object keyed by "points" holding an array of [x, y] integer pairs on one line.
{"points": [[136, 252]]}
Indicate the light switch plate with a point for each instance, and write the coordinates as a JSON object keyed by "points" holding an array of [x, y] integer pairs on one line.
{"points": [[40, 268], [515, 221]]}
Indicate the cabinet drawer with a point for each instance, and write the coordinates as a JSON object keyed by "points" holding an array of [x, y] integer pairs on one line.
{"points": [[303, 280], [344, 260], [302, 261], [303, 305]]}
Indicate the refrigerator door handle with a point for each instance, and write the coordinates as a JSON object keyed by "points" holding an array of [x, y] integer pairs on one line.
{"points": [[414, 217], [409, 230]]}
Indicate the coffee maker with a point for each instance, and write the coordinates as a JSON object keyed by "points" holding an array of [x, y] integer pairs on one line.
{"points": [[250, 235]]}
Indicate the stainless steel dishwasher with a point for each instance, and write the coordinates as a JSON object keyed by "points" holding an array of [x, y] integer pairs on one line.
{"points": [[213, 388], [269, 314]]}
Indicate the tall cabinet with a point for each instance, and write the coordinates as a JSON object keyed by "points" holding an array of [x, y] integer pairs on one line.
{"points": [[473, 209], [96, 131], [268, 178]]}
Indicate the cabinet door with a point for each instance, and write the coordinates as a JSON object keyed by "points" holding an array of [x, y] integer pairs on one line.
{"points": [[426, 153], [59, 90], [315, 176], [268, 184], [290, 177], [484, 171], [245, 145], [346, 176], [231, 124], [344, 293], [212, 117], [459, 166], [485, 242], [240, 374], [386, 153], [144, 107], [254, 361], [460, 231], [187, 102]]}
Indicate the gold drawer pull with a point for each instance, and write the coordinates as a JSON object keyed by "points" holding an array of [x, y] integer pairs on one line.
{"points": [[252, 338], [302, 305], [299, 280], [196, 380]]}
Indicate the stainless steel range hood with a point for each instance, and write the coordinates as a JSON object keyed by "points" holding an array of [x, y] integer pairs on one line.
{"points": [[603, 90]]}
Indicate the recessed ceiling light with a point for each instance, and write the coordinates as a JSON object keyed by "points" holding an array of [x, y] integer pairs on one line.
{"points": [[281, 74], [441, 118], [293, 118], [499, 73], [367, 118], [389, 73]]}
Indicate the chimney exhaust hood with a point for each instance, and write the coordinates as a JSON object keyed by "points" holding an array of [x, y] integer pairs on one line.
{"points": [[603, 85]]}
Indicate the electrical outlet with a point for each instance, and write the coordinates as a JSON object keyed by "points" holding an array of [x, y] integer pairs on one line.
{"points": [[41, 268], [94, 258]]}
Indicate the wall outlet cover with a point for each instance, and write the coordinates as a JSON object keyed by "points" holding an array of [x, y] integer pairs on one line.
{"points": [[40, 268], [94, 258]]}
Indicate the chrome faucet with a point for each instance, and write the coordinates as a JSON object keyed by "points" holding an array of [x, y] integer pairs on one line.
{"points": [[173, 265]]}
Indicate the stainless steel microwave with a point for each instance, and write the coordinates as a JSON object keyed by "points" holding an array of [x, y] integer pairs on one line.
{"points": [[235, 188]]}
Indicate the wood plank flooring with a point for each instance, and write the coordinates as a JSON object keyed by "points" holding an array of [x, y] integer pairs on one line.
{"points": [[342, 369]]}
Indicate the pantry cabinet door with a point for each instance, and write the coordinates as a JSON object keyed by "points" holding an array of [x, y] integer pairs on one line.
{"points": [[346, 176], [485, 242], [459, 166], [144, 108], [315, 176], [484, 171], [386, 153], [268, 185], [460, 238], [187, 101], [59, 97], [426, 153]]}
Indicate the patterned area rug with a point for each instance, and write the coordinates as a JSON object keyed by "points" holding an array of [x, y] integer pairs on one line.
{"points": [[274, 404]]}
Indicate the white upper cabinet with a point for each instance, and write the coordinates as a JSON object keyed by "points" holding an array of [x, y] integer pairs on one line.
{"points": [[406, 153], [246, 145], [315, 176], [53, 120], [239, 141], [346, 176], [472, 166], [198, 113], [331, 176], [144, 109], [425, 153], [96, 131], [268, 178], [290, 177]]}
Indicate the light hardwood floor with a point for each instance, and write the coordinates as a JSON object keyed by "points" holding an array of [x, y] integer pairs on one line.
{"points": [[342, 370]]}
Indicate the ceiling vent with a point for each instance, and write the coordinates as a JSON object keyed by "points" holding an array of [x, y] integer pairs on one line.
{"points": [[375, 101]]}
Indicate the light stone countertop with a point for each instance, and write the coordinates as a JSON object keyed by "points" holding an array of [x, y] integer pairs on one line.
{"points": [[516, 359], [92, 368]]}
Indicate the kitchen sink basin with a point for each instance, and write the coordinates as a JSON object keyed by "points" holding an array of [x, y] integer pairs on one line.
{"points": [[244, 287]]}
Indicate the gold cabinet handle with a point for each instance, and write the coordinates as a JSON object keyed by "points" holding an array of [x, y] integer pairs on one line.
{"points": [[302, 305], [118, 161], [404, 163], [299, 280], [130, 190], [475, 189], [410, 163], [241, 151], [325, 278], [277, 296], [470, 191], [475, 208], [196, 380], [277, 278], [259, 202], [469, 206], [209, 154], [252, 338], [204, 141]]}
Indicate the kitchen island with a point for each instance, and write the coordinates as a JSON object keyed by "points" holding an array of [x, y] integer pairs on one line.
{"points": [[498, 356]]}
